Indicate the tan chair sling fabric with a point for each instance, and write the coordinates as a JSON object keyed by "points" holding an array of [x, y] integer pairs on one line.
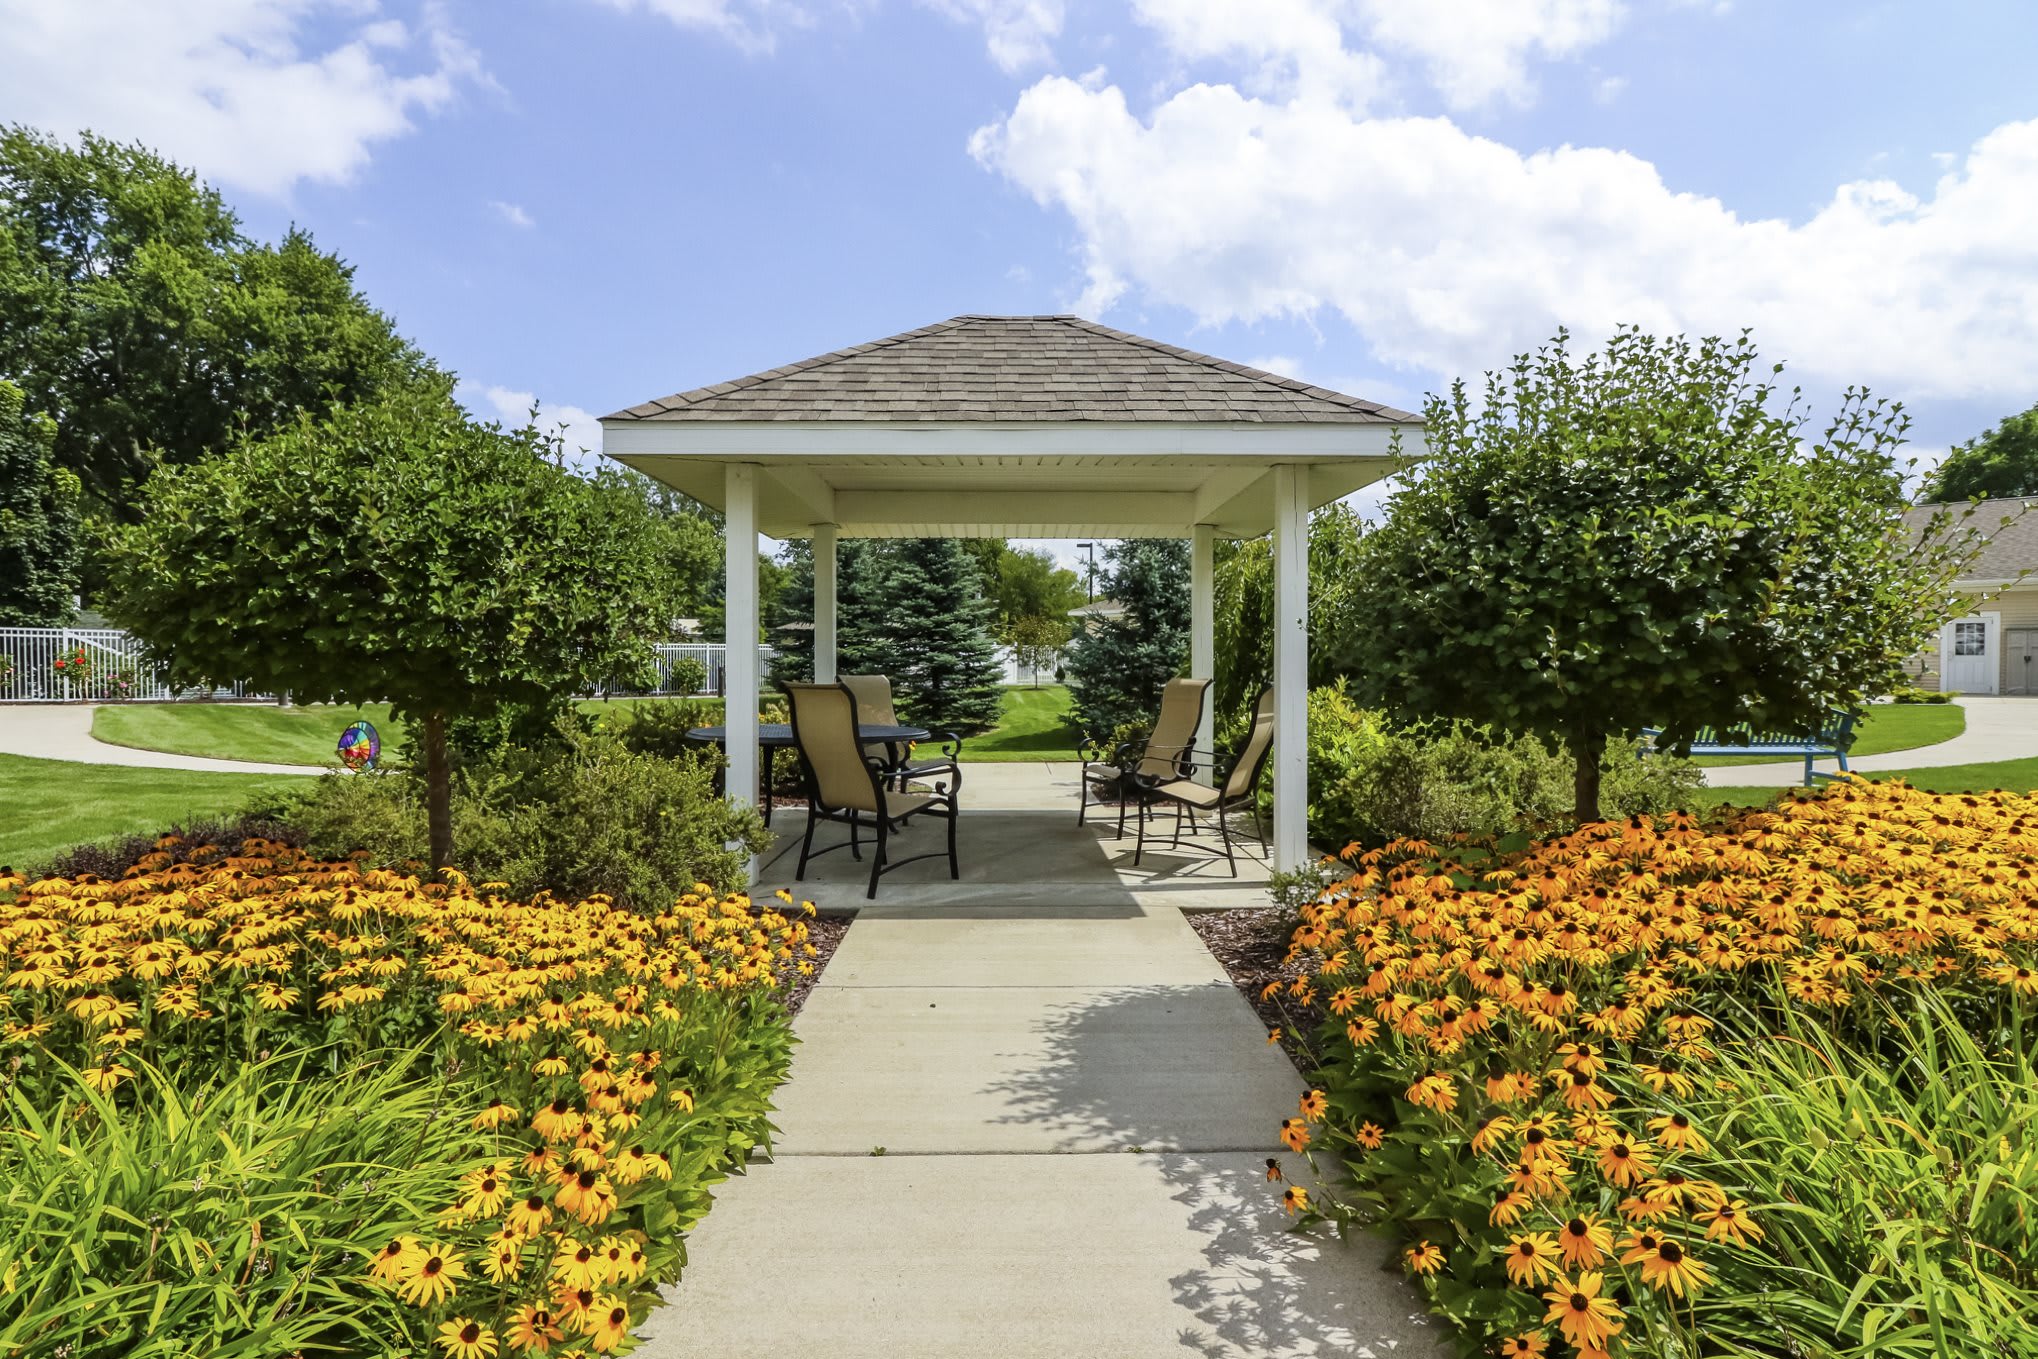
{"points": [[824, 724], [1181, 709], [1245, 770], [873, 699]]}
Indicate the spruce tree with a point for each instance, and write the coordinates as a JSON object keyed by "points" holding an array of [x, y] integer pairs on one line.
{"points": [[922, 618], [1117, 666]]}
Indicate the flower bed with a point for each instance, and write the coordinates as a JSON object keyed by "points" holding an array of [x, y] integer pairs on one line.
{"points": [[259, 1103], [1762, 1086]]}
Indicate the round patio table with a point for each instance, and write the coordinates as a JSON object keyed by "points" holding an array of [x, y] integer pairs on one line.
{"points": [[772, 737]]}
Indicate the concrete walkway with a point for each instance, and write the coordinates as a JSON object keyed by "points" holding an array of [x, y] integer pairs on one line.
{"points": [[63, 731], [1998, 728], [1027, 1118]]}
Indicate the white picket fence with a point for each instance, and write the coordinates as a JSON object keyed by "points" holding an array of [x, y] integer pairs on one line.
{"points": [[105, 665]]}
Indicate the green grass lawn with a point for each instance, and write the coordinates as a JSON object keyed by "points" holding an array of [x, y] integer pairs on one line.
{"points": [[260, 731], [2016, 776], [55, 804], [1036, 726], [1882, 729]]}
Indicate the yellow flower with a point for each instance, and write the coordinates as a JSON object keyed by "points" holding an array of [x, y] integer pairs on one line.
{"points": [[1671, 1268], [1587, 1319], [1675, 1132], [1424, 1258], [534, 1328], [394, 1261], [430, 1275], [1531, 1259], [461, 1338], [1295, 1199], [610, 1324]]}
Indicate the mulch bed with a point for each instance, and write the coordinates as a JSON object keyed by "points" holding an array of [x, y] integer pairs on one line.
{"points": [[1252, 945], [825, 933]]}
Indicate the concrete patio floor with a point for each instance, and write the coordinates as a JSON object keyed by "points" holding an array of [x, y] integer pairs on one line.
{"points": [[1029, 1117]]}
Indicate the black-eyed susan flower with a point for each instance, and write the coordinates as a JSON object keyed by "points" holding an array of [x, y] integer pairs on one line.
{"points": [[1675, 1132], [462, 1338], [1295, 1199], [1731, 1222], [1423, 1258], [1531, 1258], [1671, 1268], [431, 1274], [1584, 1241], [1587, 1317]]}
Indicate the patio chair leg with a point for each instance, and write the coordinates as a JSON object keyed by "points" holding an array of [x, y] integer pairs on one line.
{"points": [[855, 849], [1259, 834], [1224, 831], [1121, 811], [807, 843], [1140, 848], [877, 858], [1082, 799], [1176, 843], [954, 866]]}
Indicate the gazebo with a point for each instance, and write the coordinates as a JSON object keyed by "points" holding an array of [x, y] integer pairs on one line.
{"points": [[1020, 426]]}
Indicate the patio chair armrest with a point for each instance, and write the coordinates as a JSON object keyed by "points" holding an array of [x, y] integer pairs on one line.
{"points": [[1093, 748]]}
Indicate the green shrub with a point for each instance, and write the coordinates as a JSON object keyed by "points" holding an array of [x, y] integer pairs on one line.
{"points": [[687, 675], [593, 816], [1371, 782], [1913, 694]]}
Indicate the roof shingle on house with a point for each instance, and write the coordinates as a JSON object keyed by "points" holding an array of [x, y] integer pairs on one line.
{"points": [[1017, 369], [2009, 549]]}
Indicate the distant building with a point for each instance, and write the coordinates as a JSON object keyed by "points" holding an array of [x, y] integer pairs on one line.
{"points": [[1992, 646], [1096, 611]]}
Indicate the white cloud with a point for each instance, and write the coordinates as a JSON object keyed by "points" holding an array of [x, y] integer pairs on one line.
{"points": [[1608, 88], [1018, 33], [1471, 51], [578, 429], [1477, 51], [1450, 251], [511, 213], [230, 87], [752, 25]]}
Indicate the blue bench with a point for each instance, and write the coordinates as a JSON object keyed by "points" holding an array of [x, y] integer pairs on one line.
{"points": [[1834, 735]]}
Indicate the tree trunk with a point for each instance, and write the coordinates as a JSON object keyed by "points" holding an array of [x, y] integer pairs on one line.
{"points": [[1587, 746], [438, 791]]}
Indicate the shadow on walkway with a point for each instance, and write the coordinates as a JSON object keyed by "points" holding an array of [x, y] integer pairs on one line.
{"points": [[1262, 1289]]}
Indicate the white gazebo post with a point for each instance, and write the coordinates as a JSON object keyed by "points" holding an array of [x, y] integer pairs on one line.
{"points": [[1291, 667], [824, 603], [739, 615], [1202, 634]]}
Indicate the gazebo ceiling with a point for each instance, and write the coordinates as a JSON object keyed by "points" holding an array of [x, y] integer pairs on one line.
{"points": [[1026, 426]]}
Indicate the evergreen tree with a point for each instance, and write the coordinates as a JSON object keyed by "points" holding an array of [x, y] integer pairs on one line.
{"points": [[855, 566], [1117, 666], [38, 521], [922, 618]]}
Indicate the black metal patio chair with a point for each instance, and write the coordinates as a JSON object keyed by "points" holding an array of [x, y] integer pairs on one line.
{"points": [[1240, 784]]}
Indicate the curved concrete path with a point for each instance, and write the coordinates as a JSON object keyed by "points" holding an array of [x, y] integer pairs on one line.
{"points": [[63, 731], [1998, 728]]}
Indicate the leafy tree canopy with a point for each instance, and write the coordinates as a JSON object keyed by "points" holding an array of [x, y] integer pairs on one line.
{"points": [[1644, 538], [135, 314], [450, 568], [2000, 464], [1036, 642], [1118, 666], [38, 521]]}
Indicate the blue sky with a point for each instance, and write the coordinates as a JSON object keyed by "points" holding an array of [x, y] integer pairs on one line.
{"points": [[599, 201]]}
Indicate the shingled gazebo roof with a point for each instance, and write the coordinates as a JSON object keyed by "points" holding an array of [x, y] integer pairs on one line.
{"points": [[1017, 369], [1012, 426]]}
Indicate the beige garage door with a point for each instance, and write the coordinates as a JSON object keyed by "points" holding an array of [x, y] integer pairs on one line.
{"points": [[2020, 660]]}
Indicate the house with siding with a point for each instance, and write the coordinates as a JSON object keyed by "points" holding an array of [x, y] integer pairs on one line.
{"points": [[1991, 647]]}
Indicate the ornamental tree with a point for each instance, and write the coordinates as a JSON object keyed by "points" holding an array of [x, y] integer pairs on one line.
{"points": [[1649, 537], [1035, 641], [394, 551]]}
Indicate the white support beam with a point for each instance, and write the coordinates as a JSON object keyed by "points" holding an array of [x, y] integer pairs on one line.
{"points": [[739, 613], [1138, 513], [1291, 667], [1203, 632], [824, 603]]}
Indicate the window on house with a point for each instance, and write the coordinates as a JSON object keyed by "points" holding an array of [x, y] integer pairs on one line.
{"points": [[1970, 639]]}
